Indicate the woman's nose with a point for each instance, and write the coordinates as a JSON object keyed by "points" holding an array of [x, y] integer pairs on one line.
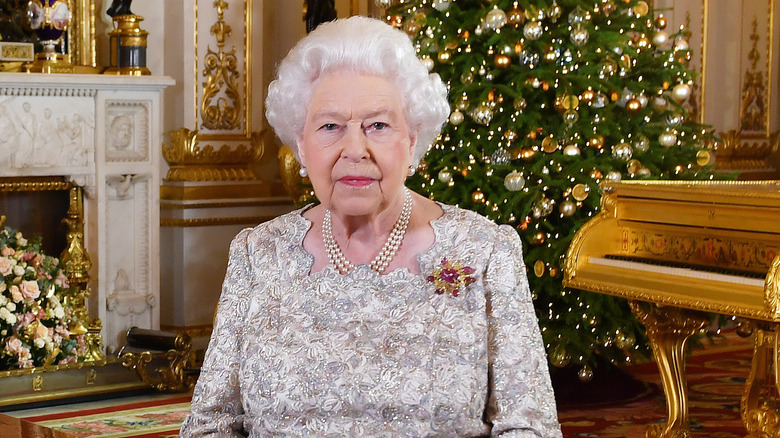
{"points": [[355, 144]]}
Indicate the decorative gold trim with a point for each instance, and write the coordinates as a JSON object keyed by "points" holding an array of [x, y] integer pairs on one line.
{"points": [[81, 38], [190, 161], [12, 184], [248, 18], [173, 377], [668, 329], [221, 103], [236, 190], [194, 331], [753, 107], [705, 7], [772, 289], [210, 222]]}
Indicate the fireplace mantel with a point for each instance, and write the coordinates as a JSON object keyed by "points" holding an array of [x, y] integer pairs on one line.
{"points": [[104, 133]]}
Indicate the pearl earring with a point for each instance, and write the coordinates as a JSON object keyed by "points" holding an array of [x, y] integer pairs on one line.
{"points": [[302, 172], [412, 169]]}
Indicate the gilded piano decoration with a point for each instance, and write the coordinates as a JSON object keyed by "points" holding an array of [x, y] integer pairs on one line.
{"points": [[675, 249]]}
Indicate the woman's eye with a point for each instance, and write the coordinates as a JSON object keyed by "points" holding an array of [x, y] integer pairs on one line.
{"points": [[377, 126], [330, 126]]}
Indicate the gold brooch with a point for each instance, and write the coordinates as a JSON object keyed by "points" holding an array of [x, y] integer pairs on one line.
{"points": [[451, 277]]}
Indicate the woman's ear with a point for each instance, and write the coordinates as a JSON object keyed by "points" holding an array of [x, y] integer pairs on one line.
{"points": [[299, 143], [412, 145]]}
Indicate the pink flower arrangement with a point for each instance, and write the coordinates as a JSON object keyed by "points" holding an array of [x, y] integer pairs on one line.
{"points": [[34, 312]]}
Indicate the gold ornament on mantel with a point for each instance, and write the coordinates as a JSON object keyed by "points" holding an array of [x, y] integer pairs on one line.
{"points": [[292, 181], [190, 161]]}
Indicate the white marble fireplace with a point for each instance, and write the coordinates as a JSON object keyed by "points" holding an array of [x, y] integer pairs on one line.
{"points": [[102, 132]]}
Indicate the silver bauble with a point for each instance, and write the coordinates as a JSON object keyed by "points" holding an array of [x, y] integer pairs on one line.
{"points": [[660, 39], [667, 139], [482, 114], [613, 176], [567, 208], [681, 92], [467, 78], [622, 151], [579, 35], [495, 19], [428, 63], [571, 150], [681, 43], [445, 175], [578, 15], [514, 181], [442, 5], [674, 119], [456, 117], [500, 156], [533, 30]]}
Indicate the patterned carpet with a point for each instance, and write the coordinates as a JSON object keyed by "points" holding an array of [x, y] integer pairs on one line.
{"points": [[156, 418], [716, 376]]}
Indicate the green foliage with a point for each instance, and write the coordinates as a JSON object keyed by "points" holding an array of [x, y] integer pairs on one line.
{"points": [[549, 99]]}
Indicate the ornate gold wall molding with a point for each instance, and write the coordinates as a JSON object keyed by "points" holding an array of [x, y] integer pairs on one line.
{"points": [[752, 112], [221, 104], [190, 161], [211, 222], [220, 145]]}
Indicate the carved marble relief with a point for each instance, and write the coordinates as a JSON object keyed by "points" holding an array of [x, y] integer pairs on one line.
{"points": [[37, 134], [132, 301], [127, 131]]}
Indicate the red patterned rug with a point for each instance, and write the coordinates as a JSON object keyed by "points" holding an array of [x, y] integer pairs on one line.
{"points": [[151, 419], [716, 377]]}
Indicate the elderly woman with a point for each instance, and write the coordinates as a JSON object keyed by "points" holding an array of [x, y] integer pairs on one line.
{"points": [[377, 312]]}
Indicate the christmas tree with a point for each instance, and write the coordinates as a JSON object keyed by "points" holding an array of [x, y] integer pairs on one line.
{"points": [[549, 98]]}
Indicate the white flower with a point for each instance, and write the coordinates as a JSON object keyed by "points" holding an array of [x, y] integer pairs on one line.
{"points": [[21, 241], [18, 270], [59, 312], [8, 316], [39, 342], [10, 306], [3, 299]]}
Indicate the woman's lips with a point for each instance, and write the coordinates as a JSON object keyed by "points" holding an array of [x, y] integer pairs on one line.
{"points": [[356, 181]]}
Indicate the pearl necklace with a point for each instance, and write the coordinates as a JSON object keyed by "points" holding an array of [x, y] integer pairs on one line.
{"points": [[385, 256]]}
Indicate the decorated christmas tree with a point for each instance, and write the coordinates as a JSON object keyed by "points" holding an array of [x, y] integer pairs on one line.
{"points": [[550, 98]]}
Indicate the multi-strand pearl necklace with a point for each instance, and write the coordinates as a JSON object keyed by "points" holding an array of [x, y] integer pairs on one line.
{"points": [[385, 256]]}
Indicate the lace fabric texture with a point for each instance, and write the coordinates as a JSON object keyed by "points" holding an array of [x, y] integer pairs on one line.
{"points": [[369, 355]]}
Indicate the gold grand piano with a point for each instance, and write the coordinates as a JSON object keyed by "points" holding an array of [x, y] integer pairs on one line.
{"points": [[677, 248]]}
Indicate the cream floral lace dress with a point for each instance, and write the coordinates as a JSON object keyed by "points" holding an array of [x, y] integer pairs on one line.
{"points": [[369, 355]]}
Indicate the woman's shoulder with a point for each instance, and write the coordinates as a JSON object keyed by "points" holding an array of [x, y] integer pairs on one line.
{"points": [[475, 226], [290, 226]]}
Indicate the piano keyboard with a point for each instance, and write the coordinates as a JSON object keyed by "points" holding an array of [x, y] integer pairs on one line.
{"points": [[659, 267]]}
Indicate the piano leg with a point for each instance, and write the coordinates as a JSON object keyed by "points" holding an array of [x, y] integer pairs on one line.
{"points": [[669, 329], [761, 399]]}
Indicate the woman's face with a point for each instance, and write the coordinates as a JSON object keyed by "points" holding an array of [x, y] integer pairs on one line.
{"points": [[356, 145]]}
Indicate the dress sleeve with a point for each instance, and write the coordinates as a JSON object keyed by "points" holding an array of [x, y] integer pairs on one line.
{"points": [[521, 401], [217, 409]]}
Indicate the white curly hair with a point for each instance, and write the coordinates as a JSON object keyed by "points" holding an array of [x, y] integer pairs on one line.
{"points": [[363, 45]]}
